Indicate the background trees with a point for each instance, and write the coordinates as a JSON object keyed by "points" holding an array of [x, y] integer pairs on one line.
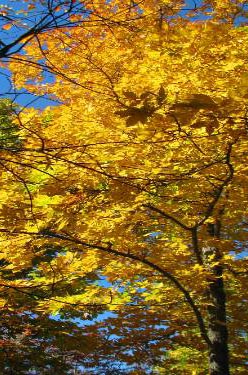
{"points": [[127, 196]]}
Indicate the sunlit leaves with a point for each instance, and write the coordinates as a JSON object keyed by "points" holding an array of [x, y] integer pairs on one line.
{"points": [[136, 178]]}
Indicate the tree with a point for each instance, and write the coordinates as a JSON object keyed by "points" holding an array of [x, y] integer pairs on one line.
{"points": [[22, 22], [27, 20], [138, 177], [30, 339], [40, 345]]}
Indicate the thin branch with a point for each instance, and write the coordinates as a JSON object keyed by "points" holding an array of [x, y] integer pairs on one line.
{"points": [[167, 216]]}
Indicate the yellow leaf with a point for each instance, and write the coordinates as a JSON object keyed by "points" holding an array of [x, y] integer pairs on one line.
{"points": [[7, 26]]}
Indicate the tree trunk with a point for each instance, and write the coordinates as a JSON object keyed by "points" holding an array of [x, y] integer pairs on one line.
{"points": [[217, 323], [217, 328]]}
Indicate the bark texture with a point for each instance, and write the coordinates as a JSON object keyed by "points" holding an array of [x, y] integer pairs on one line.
{"points": [[217, 318]]}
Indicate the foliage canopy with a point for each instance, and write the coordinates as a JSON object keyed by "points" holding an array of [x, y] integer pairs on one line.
{"points": [[131, 195]]}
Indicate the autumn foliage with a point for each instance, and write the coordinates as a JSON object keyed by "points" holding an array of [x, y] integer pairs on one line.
{"points": [[129, 196]]}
